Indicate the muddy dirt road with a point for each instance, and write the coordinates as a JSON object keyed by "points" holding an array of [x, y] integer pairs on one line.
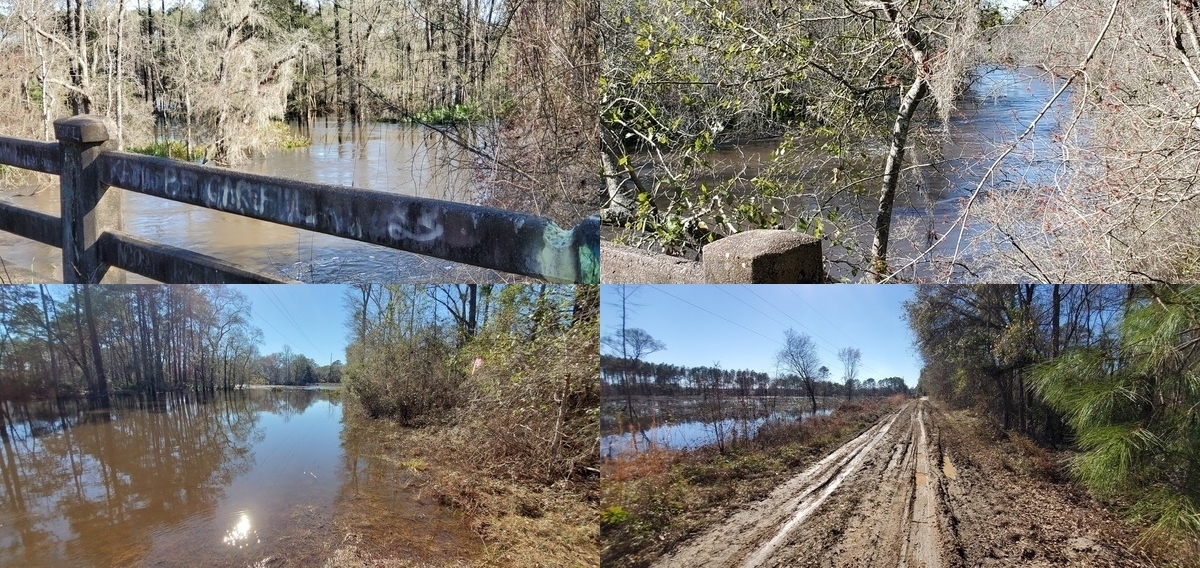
{"points": [[902, 494]]}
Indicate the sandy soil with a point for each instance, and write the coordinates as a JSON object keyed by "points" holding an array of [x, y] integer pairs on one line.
{"points": [[919, 488]]}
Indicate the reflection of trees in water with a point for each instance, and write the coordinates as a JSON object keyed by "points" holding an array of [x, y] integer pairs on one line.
{"points": [[289, 403], [112, 476]]}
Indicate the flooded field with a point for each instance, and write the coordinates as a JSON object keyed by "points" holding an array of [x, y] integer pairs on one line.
{"points": [[254, 477], [686, 422], [695, 433]]}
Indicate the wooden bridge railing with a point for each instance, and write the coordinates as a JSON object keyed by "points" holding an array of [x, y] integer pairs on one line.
{"points": [[89, 229]]}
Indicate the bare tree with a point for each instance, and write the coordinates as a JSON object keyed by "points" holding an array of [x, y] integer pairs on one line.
{"points": [[799, 356], [624, 295]]}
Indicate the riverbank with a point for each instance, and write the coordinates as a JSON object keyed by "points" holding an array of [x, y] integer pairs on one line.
{"points": [[955, 160], [653, 500], [514, 520]]}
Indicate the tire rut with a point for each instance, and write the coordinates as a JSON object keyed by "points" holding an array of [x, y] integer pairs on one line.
{"points": [[875, 501]]}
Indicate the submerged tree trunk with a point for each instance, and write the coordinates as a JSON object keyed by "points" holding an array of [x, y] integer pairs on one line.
{"points": [[101, 394]]}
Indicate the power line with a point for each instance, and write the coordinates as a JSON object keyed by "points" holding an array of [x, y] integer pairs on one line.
{"points": [[288, 315], [836, 355], [274, 300], [776, 341], [833, 351], [835, 326], [768, 316], [281, 334], [285, 336], [660, 289], [789, 316]]}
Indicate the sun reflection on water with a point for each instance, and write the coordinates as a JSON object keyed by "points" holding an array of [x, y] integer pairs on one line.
{"points": [[242, 533]]}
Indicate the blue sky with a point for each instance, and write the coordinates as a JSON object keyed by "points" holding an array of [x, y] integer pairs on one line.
{"points": [[310, 318], [741, 326]]}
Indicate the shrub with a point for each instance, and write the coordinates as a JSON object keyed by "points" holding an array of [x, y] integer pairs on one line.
{"points": [[172, 149], [534, 405], [411, 381]]}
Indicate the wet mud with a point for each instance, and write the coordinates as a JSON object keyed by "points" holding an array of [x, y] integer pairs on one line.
{"points": [[919, 488]]}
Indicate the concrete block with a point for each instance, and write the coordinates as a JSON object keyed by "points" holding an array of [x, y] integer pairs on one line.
{"points": [[620, 264], [764, 256]]}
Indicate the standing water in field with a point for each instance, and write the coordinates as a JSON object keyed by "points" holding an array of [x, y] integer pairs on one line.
{"points": [[254, 476], [693, 433]]}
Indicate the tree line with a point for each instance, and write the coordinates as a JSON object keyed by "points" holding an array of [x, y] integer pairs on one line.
{"points": [[1108, 370], [664, 379], [63, 342]]}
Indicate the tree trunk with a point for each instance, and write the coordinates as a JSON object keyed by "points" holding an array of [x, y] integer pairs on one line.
{"points": [[82, 79], [120, 77], [79, 336], [101, 380], [352, 79], [339, 72], [891, 175], [50, 343], [1055, 331], [472, 317]]}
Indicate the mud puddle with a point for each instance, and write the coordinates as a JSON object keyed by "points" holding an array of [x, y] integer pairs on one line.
{"points": [[948, 468]]}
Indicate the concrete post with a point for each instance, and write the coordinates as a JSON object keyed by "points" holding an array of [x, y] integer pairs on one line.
{"points": [[89, 208], [764, 256]]}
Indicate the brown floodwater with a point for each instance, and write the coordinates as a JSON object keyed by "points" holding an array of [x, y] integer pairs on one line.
{"points": [[253, 477], [995, 110], [394, 158]]}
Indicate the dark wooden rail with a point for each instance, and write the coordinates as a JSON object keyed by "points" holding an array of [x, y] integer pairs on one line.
{"points": [[89, 229]]}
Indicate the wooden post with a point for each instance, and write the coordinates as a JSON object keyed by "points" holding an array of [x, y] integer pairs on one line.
{"points": [[88, 207]]}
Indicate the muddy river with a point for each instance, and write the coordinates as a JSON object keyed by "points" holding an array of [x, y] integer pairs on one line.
{"points": [[394, 158], [255, 477], [997, 107]]}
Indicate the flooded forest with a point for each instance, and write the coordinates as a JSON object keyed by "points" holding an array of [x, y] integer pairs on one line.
{"points": [[143, 425], [481, 102], [945, 141]]}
